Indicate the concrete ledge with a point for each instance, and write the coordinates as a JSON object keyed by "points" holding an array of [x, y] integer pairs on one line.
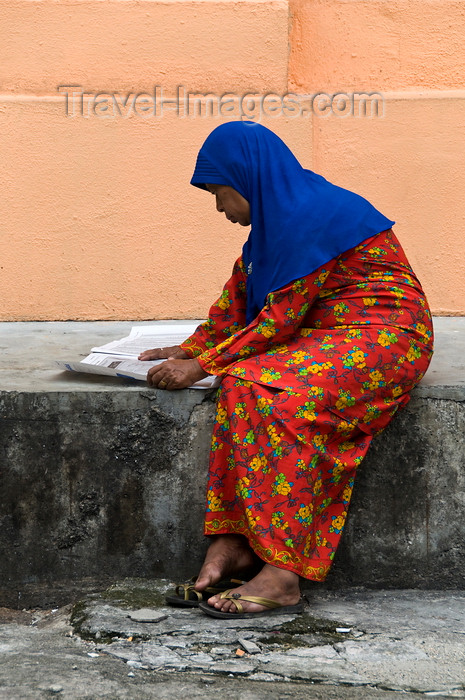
{"points": [[102, 479]]}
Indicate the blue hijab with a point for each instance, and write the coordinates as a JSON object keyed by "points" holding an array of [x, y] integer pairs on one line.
{"points": [[299, 220]]}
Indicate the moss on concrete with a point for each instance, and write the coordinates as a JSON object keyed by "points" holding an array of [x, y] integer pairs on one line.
{"points": [[297, 632], [134, 593]]}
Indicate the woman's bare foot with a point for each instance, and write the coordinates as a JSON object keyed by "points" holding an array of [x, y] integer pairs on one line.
{"points": [[227, 555], [277, 584]]}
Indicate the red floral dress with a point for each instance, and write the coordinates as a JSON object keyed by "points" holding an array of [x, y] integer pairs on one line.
{"points": [[322, 369]]}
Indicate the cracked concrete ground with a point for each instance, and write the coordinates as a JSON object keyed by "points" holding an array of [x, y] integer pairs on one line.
{"points": [[396, 644]]}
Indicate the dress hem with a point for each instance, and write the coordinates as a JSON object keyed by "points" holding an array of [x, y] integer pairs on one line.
{"points": [[313, 570]]}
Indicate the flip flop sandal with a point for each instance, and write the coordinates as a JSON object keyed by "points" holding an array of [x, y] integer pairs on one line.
{"points": [[274, 608], [185, 595]]}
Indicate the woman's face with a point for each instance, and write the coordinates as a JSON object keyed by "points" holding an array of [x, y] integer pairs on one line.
{"points": [[233, 204]]}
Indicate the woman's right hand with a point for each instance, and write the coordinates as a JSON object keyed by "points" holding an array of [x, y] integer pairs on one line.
{"points": [[174, 352]]}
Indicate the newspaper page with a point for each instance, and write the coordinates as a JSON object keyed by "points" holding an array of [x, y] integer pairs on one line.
{"points": [[146, 337], [119, 357]]}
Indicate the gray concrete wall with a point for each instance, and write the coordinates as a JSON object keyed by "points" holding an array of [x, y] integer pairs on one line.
{"points": [[102, 479]]}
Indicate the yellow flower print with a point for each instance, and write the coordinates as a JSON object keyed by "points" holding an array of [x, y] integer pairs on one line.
{"points": [[267, 328], [369, 301], [376, 379], [344, 446], [214, 502], [281, 486], [305, 332], [238, 371], [299, 286], [372, 413], [252, 520], [423, 330], [216, 444], [376, 252], [224, 301], [413, 353], [385, 338], [319, 439], [316, 368], [306, 411], [304, 514], [275, 439], [325, 293], [397, 292], [263, 405], [338, 522], [345, 399], [301, 464], [359, 359], [221, 414], [322, 277], [242, 487], [298, 357], [321, 541], [280, 348], [338, 468], [340, 308], [352, 334], [316, 391], [278, 520], [347, 493], [241, 412], [397, 391], [317, 487], [269, 375], [344, 427], [268, 332], [246, 350], [258, 462]]}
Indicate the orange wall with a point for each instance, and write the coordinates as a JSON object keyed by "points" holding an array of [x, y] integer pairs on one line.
{"points": [[98, 220], [410, 163]]}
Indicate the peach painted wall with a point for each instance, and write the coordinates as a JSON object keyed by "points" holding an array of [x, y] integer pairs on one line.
{"points": [[411, 161], [98, 220]]}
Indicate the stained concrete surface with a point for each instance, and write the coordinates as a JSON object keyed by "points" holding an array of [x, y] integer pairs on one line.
{"points": [[397, 644], [102, 479]]}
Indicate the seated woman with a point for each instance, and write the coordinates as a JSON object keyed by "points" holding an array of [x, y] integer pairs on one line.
{"points": [[319, 337]]}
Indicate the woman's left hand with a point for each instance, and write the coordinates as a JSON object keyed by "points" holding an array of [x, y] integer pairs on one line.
{"points": [[175, 374]]}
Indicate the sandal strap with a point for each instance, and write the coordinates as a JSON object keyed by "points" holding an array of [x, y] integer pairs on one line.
{"points": [[234, 597], [185, 589]]}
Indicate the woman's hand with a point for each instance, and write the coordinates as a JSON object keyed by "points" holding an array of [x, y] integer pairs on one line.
{"points": [[175, 374], [163, 353]]}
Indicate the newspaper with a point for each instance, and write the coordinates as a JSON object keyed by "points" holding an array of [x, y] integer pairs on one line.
{"points": [[119, 357]]}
